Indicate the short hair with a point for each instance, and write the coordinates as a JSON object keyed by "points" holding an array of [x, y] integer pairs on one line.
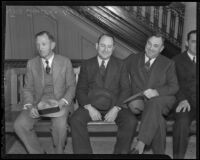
{"points": [[158, 35], [50, 36], [191, 32], [106, 34]]}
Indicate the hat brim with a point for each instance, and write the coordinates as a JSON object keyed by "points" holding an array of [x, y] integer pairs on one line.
{"points": [[139, 95], [55, 114]]}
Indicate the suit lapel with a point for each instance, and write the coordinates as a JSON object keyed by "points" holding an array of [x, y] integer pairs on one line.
{"points": [[56, 67], [110, 73], [96, 72], [40, 71], [187, 59], [142, 71], [156, 66]]}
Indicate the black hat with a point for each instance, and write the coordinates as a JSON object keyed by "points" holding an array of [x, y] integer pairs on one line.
{"points": [[101, 98]]}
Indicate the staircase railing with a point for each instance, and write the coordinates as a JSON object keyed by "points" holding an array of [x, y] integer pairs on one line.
{"points": [[167, 20]]}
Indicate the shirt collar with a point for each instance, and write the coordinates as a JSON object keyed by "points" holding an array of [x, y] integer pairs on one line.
{"points": [[100, 61], [191, 56], [151, 61], [50, 61]]}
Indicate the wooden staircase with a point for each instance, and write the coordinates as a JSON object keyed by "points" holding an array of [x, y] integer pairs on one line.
{"points": [[133, 24]]}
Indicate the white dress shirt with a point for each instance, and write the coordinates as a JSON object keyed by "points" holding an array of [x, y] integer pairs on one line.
{"points": [[192, 56], [151, 61], [100, 61]]}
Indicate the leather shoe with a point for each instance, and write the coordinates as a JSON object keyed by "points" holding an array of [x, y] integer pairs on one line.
{"points": [[134, 151]]}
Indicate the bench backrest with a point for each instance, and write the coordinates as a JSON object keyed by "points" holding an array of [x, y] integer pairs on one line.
{"points": [[17, 84]]}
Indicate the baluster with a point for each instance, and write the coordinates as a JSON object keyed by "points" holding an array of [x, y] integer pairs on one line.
{"points": [[139, 12], [134, 10], [172, 24], [180, 29], [156, 16], [176, 26], [168, 21], [160, 17], [164, 20], [147, 14], [143, 11]]}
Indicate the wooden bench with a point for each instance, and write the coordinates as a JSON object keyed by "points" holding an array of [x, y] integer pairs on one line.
{"points": [[16, 83]]}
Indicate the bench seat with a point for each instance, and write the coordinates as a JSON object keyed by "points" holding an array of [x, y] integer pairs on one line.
{"points": [[44, 125]]}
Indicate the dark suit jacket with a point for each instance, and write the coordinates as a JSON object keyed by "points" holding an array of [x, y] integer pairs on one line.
{"points": [[116, 80], [162, 75], [63, 79], [186, 73]]}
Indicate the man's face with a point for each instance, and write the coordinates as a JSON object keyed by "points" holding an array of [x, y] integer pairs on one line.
{"points": [[105, 47], [192, 44], [154, 46], [44, 46]]}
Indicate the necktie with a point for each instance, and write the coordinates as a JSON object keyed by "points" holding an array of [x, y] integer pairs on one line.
{"points": [[147, 64], [47, 67], [102, 68]]}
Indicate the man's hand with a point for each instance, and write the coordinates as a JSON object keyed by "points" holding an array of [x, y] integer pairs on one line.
{"points": [[112, 114], [183, 105], [150, 93], [61, 103], [34, 113], [93, 112]]}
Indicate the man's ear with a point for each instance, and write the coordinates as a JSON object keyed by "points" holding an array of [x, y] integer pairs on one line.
{"points": [[186, 43], [96, 45], [162, 48], [53, 45]]}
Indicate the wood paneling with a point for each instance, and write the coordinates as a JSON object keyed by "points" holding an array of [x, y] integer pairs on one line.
{"points": [[75, 35], [20, 35], [42, 22]]}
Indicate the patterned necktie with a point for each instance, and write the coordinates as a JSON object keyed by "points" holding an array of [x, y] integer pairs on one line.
{"points": [[47, 67], [147, 64], [102, 68]]}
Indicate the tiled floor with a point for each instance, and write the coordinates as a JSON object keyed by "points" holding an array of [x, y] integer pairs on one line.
{"points": [[102, 145]]}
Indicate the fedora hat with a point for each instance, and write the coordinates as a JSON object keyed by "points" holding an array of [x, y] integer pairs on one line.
{"points": [[101, 98], [136, 103], [50, 108]]}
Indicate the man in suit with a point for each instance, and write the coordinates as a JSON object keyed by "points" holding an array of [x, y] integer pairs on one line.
{"points": [[48, 76], [185, 112], [154, 75], [103, 76]]}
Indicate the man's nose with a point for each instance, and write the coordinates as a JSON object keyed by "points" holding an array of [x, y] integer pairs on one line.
{"points": [[106, 49]]}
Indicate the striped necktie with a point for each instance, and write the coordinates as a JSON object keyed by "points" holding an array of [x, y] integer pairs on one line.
{"points": [[147, 64], [47, 67], [102, 68]]}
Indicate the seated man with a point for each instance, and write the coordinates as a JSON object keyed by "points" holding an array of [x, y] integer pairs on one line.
{"points": [[103, 85], [185, 112], [154, 76], [49, 77]]}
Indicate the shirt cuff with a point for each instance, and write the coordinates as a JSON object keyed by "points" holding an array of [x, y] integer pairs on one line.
{"points": [[67, 103], [25, 107]]}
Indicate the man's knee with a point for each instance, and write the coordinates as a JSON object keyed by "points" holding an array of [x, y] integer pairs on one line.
{"points": [[21, 123], [75, 119], [182, 120], [129, 119]]}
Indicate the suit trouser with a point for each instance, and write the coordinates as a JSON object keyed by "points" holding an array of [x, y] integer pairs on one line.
{"points": [[153, 126], [24, 128], [181, 131], [125, 121]]}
